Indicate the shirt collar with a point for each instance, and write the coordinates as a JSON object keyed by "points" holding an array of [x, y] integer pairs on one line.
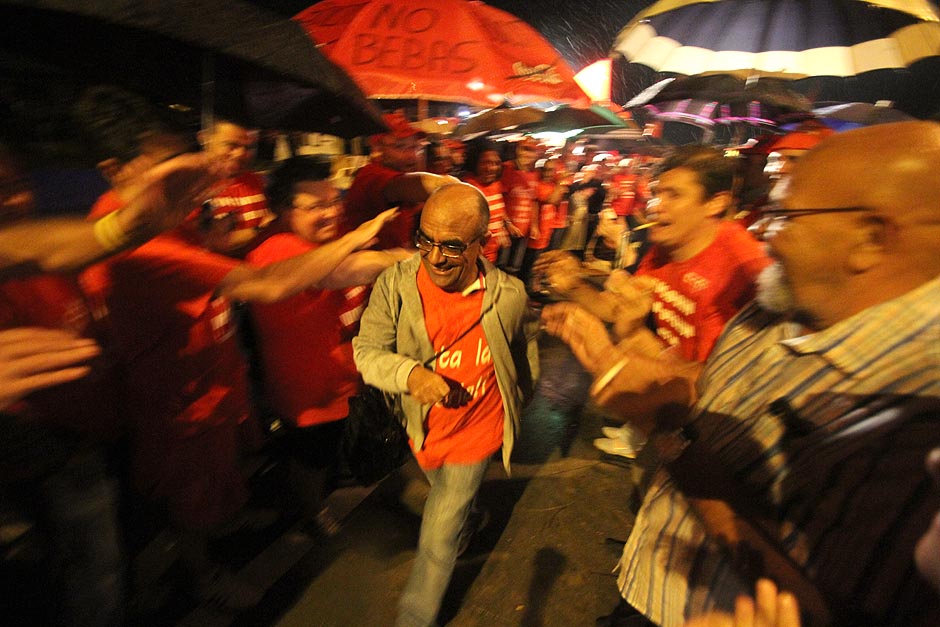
{"points": [[477, 285], [840, 344]]}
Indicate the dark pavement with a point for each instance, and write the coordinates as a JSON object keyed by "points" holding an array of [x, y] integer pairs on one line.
{"points": [[544, 560]]}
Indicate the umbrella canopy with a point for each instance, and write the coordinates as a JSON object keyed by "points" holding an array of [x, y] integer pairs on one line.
{"points": [[724, 98], [262, 66], [783, 39], [499, 118], [568, 118], [849, 115], [447, 50], [535, 120]]}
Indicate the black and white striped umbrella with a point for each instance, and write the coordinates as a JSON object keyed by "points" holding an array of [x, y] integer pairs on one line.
{"points": [[782, 38]]}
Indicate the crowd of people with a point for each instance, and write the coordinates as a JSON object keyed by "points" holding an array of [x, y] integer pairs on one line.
{"points": [[777, 377]]}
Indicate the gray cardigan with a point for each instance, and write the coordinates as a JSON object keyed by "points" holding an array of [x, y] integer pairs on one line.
{"points": [[393, 340]]}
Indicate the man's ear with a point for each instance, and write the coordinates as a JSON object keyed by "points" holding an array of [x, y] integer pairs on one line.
{"points": [[717, 206], [110, 168], [869, 239]]}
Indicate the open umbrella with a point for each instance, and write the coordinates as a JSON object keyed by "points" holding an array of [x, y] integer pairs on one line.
{"points": [[849, 115], [259, 64], [728, 109], [444, 50], [784, 39], [558, 119], [503, 117], [724, 98], [565, 118]]}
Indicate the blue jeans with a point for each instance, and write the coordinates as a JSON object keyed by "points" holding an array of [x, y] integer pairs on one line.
{"points": [[453, 490]]}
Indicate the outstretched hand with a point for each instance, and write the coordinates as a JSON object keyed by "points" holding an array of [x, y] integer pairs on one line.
{"points": [[366, 234], [561, 271], [34, 358], [634, 300], [584, 333], [169, 191]]}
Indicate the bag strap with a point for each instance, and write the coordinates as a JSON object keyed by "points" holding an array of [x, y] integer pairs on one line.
{"points": [[429, 361]]}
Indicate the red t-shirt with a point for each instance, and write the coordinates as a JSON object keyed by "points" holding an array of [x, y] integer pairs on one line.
{"points": [[695, 298], [499, 236], [547, 218], [244, 197], [308, 365], [175, 340], [519, 190], [468, 434], [623, 190], [366, 199], [185, 381]]}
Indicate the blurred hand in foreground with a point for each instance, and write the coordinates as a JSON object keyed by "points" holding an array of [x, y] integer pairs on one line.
{"points": [[33, 358], [771, 608]]}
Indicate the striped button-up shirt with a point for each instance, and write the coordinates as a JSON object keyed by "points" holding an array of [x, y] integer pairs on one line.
{"points": [[830, 430]]}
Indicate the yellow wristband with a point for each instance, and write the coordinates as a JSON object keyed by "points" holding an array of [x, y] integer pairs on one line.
{"points": [[109, 234]]}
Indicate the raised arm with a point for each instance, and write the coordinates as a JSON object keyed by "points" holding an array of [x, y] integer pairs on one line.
{"points": [[363, 267], [168, 193], [285, 278]]}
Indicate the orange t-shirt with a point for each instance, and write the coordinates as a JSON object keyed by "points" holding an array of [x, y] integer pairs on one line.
{"points": [[468, 434]]}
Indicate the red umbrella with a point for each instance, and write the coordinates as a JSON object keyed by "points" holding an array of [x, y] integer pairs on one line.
{"points": [[448, 50]]}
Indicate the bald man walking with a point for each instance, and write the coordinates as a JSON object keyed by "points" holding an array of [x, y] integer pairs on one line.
{"points": [[448, 331]]}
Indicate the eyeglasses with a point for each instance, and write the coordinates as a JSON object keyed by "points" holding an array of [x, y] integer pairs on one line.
{"points": [[772, 219], [779, 212], [452, 249]]}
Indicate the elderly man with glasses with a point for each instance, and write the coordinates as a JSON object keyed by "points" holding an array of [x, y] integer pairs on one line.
{"points": [[796, 451], [449, 333]]}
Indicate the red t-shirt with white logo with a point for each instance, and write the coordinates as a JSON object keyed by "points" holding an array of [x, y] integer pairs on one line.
{"points": [[468, 434], [693, 299], [244, 198]]}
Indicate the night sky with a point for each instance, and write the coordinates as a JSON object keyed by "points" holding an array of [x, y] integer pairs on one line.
{"points": [[583, 31]]}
